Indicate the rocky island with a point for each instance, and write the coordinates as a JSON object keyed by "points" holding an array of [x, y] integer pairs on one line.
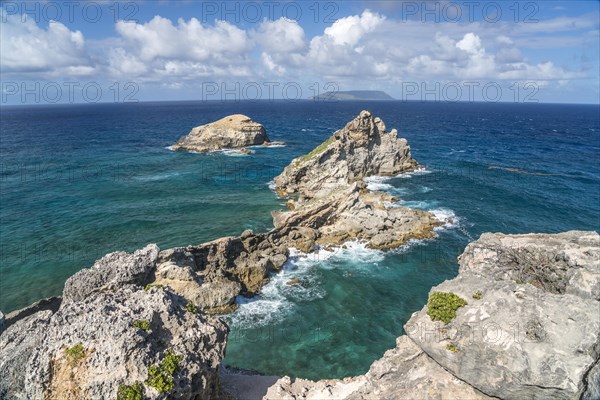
{"points": [[353, 95], [519, 321], [232, 132]]}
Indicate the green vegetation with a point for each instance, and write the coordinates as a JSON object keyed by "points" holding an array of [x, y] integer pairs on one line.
{"points": [[191, 308], [159, 380], [75, 353], [442, 306], [477, 295], [133, 392], [160, 376], [452, 347], [150, 286], [142, 324], [318, 150], [171, 362]]}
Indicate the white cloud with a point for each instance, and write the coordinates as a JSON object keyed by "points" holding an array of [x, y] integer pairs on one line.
{"points": [[471, 43], [28, 48], [504, 40], [188, 40], [281, 36], [359, 50], [349, 30], [271, 65], [159, 49]]}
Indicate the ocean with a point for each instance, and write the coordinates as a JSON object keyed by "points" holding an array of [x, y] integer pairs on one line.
{"points": [[79, 181]]}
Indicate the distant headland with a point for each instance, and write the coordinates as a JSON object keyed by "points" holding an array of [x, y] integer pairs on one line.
{"points": [[354, 95]]}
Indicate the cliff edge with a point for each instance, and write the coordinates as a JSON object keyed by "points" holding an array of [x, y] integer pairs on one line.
{"points": [[520, 321]]}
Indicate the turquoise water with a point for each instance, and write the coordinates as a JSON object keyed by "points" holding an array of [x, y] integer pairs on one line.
{"points": [[80, 181]]}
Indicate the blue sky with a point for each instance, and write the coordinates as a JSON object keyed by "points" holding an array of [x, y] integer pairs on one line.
{"points": [[545, 51]]}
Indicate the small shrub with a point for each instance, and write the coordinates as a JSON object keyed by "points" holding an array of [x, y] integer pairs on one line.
{"points": [[191, 308], [133, 392], [442, 306], [452, 347], [477, 295], [160, 376], [160, 380], [75, 353], [170, 362], [142, 324], [151, 285], [317, 150]]}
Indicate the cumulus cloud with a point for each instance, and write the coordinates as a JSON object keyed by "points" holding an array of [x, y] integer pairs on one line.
{"points": [[349, 30], [282, 35], [357, 49], [29, 48], [185, 49]]}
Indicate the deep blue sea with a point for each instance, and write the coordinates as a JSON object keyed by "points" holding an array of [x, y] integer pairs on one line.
{"points": [[79, 181]]}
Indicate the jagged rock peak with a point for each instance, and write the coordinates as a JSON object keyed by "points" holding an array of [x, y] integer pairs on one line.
{"points": [[362, 148]]}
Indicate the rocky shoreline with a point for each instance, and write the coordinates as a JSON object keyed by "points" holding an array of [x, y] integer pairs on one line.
{"points": [[529, 329], [139, 325]]}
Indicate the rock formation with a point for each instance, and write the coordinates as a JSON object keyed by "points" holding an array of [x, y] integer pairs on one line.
{"points": [[530, 330], [521, 319], [533, 329], [111, 337], [233, 131], [362, 148], [332, 206]]}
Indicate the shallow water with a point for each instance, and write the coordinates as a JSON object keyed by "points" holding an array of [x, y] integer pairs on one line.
{"points": [[80, 181]]}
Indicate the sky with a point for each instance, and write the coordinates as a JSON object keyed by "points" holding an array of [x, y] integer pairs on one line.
{"points": [[111, 51]]}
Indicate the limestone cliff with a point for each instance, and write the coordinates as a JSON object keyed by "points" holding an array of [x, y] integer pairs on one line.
{"points": [[528, 328], [110, 337]]}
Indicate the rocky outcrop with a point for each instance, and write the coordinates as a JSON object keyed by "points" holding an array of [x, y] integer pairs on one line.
{"points": [[233, 131], [329, 201], [533, 328], [52, 304], [332, 206], [211, 275], [120, 339], [530, 329], [361, 149], [112, 271]]}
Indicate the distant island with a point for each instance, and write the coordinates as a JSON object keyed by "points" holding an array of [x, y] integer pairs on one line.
{"points": [[354, 95]]}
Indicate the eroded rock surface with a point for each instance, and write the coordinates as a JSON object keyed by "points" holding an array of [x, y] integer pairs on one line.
{"points": [[233, 131], [530, 330], [362, 148], [534, 332], [329, 202], [97, 342]]}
